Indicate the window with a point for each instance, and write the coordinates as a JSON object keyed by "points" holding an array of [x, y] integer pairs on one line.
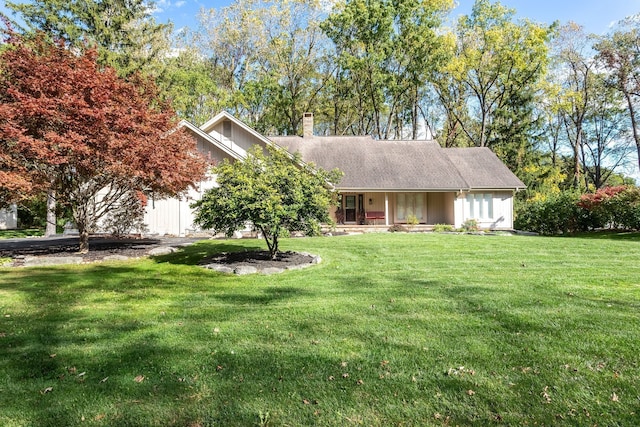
{"points": [[226, 129], [480, 206], [409, 204]]}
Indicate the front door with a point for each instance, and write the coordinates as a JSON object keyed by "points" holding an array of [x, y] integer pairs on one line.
{"points": [[350, 209]]}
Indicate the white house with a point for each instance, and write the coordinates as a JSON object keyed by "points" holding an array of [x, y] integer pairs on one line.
{"points": [[385, 181]]}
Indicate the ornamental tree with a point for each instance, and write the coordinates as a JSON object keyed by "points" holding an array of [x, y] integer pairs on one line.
{"points": [[69, 126], [275, 191]]}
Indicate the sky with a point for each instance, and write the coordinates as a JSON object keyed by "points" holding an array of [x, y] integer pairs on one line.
{"points": [[597, 16]]}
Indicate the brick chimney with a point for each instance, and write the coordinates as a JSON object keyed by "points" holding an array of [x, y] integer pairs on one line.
{"points": [[307, 125]]}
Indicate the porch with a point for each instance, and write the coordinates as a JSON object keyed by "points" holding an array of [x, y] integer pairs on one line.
{"points": [[354, 228], [376, 210]]}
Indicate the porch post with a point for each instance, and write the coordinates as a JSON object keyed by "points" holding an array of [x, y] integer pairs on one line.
{"points": [[386, 208]]}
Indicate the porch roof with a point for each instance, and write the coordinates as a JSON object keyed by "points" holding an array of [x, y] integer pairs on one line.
{"points": [[400, 165]]}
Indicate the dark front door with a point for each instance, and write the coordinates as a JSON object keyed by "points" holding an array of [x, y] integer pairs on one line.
{"points": [[350, 209]]}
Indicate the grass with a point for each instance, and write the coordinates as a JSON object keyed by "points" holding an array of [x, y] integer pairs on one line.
{"points": [[390, 329], [13, 234]]}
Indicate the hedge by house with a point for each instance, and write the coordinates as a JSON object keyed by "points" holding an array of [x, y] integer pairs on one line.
{"points": [[571, 212]]}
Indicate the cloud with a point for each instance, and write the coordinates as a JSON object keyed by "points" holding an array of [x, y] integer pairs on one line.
{"points": [[180, 3]]}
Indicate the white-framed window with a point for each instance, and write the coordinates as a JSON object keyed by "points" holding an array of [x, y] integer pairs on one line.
{"points": [[480, 206]]}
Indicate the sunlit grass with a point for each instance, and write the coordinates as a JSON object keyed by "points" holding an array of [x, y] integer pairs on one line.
{"points": [[411, 329], [14, 234]]}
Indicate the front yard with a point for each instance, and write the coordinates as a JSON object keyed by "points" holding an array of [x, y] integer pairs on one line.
{"points": [[390, 329]]}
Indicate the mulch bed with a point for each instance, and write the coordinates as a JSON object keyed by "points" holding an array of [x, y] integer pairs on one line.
{"points": [[259, 259]]}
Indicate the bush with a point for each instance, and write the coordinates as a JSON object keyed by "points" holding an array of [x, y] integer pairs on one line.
{"points": [[470, 225], [571, 212], [557, 214], [412, 221], [441, 228], [398, 228]]}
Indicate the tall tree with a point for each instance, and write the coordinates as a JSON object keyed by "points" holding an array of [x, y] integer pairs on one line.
{"points": [[124, 32], [386, 50], [69, 125], [621, 54], [270, 56], [494, 58], [575, 75], [607, 136]]}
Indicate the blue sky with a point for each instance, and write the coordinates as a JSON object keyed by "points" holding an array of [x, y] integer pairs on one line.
{"points": [[595, 15]]}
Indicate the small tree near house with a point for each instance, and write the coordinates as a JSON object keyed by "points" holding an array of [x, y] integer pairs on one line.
{"points": [[73, 128], [275, 191]]}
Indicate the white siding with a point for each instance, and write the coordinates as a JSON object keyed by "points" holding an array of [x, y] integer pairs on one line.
{"points": [[174, 216], [9, 218]]}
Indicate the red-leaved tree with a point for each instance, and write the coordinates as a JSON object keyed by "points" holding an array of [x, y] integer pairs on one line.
{"points": [[70, 126]]}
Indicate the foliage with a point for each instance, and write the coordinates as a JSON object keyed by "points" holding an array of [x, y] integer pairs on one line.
{"points": [[470, 225], [126, 36], [557, 213], [275, 191], [384, 319], [412, 220], [620, 52], [572, 212], [385, 50], [495, 66], [443, 228], [78, 129], [398, 228], [614, 207], [267, 59]]}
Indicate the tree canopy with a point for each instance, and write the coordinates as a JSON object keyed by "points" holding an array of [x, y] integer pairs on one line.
{"points": [[273, 190], [70, 125]]}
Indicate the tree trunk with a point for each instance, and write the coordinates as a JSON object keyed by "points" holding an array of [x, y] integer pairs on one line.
{"points": [[50, 229], [634, 124], [84, 239]]}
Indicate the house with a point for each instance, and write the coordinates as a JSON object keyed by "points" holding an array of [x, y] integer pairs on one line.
{"points": [[9, 218], [384, 183]]}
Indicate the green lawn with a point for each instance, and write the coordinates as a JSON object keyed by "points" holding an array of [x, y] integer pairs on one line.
{"points": [[29, 232], [390, 329]]}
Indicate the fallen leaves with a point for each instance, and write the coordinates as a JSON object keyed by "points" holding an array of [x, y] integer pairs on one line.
{"points": [[460, 371], [47, 390], [546, 395], [139, 378]]}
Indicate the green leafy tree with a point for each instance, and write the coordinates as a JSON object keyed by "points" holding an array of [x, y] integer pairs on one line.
{"points": [[620, 52], [275, 191], [494, 58], [386, 50], [270, 56], [126, 35]]}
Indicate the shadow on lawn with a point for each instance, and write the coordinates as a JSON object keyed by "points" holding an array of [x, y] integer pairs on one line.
{"points": [[193, 254], [65, 364], [633, 236], [61, 361]]}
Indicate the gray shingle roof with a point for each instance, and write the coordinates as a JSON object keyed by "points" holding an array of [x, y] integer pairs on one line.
{"points": [[390, 165]]}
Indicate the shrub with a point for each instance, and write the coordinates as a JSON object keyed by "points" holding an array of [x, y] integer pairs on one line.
{"points": [[412, 221], [441, 228], [557, 214], [397, 228], [470, 225], [571, 212]]}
